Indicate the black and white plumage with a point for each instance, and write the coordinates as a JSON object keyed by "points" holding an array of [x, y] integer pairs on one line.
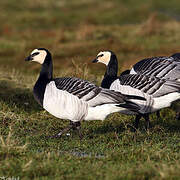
{"points": [[73, 98], [160, 93], [150, 84], [163, 67]]}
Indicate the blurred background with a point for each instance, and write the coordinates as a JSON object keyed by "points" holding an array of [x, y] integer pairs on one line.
{"points": [[76, 30]]}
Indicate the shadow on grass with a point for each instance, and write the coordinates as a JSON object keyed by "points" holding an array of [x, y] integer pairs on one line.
{"points": [[170, 125], [108, 128], [18, 99], [157, 125]]}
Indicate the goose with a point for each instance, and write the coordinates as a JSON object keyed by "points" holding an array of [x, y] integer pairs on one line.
{"points": [[73, 98], [160, 93], [163, 67]]}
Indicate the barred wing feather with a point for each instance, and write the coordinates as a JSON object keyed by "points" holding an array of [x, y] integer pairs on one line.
{"points": [[91, 93], [150, 85], [87, 91], [162, 67]]}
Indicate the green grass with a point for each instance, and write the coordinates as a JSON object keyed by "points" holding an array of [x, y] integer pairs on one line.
{"points": [[75, 31]]}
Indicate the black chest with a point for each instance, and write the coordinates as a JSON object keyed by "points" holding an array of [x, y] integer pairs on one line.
{"points": [[107, 81]]}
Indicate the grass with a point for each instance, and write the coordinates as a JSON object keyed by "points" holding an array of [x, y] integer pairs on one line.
{"points": [[75, 31]]}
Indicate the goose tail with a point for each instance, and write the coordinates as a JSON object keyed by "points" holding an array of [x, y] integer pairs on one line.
{"points": [[135, 97], [130, 105]]}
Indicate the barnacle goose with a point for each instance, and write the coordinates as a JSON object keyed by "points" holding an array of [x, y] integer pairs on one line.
{"points": [[73, 98], [163, 67], [160, 93]]}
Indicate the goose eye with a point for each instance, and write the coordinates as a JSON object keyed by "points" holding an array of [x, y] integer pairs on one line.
{"points": [[101, 55], [35, 54]]}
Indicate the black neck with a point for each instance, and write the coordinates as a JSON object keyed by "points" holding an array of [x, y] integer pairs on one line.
{"points": [[46, 75], [111, 72], [47, 70]]}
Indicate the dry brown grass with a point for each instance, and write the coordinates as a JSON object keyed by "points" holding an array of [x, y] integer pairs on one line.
{"points": [[152, 26], [85, 32]]}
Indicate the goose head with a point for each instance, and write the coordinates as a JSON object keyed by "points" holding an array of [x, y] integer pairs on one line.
{"points": [[106, 57], [110, 60], [39, 55], [103, 57]]}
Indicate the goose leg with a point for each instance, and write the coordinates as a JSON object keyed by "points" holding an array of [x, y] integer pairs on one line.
{"points": [[72, 125], [138, 117], [146, 117], [77, 126], [158, 114], [178, 116]]}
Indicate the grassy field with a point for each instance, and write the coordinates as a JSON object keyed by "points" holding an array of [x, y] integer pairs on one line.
{"points": [[75, 31]]}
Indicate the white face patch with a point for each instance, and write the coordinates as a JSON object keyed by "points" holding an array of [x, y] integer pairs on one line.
{"points": [[104, 57], [39, 57]]}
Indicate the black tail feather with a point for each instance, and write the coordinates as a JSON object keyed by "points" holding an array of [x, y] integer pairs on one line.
{"points": [[130, 105], [135, 97]]}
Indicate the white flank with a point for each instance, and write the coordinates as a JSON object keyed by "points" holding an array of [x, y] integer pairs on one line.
{"points": [[64, 105], [101, 112], [165, 101]]}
